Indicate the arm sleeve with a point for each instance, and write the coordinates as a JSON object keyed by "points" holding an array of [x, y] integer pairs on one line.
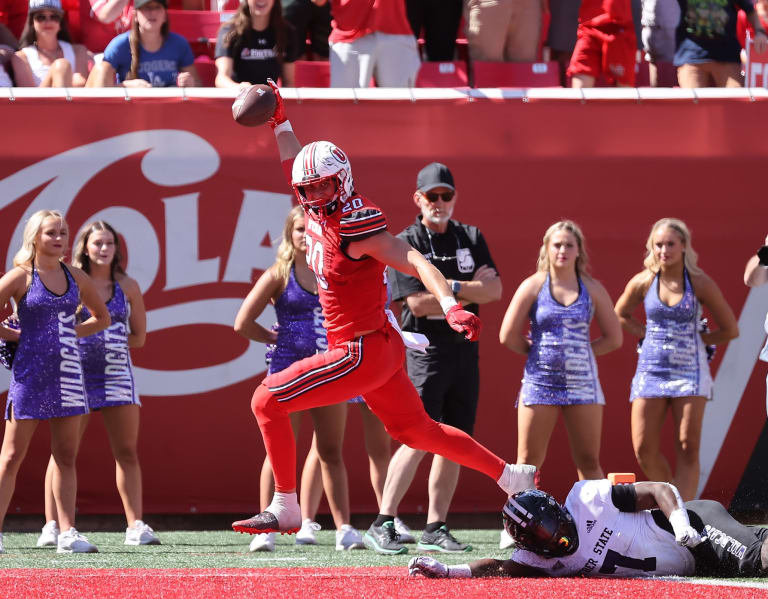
{"points": [[186, 56], [221, 49], [362, 224], [624, 497], [483, 254]]}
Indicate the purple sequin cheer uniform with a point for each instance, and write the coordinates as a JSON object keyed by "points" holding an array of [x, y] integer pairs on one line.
{"points": [[672, 360], [561, 368], [107, 360], [47, 377], [300, 333]]}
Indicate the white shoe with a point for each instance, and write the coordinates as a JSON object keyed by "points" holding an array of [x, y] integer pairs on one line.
{"points": [[306, 535], [406, 536], [71, 541], [348, 538], [505, 540], [264, 541], [140, 534], [50, 534]]}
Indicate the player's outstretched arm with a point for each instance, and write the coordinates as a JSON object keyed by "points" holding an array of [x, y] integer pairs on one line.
{"points": [[401, 256], [287, 143], [429, 567]]}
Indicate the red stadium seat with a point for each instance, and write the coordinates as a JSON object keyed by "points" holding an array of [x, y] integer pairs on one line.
{"points": [[515, 74], [313, 73], [443, 74], [206, 68], [198, 27]]}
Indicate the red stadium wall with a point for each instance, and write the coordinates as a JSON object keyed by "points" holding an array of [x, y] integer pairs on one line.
{"points": [[198, 199]]}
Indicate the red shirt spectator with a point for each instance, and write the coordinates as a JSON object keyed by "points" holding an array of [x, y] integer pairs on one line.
{"points": [[352, 19], [13, 14]]}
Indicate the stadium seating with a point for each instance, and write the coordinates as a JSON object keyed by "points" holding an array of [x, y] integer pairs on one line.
{"points": [[198, 27], [206, 68], [313, 73], [515, 74], [443, 74]]}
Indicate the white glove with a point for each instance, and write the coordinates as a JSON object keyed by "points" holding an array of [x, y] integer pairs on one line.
{"points": [[685, 534], [428, 567]]}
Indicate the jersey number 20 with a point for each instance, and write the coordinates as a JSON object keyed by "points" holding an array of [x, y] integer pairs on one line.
{"points": [[315, 260]]}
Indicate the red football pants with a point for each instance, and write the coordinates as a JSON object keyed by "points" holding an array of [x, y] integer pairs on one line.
{"points": [[371, 366]]}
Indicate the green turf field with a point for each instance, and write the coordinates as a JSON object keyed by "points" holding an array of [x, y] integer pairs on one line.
{"points": [[222, 549], [226, 549]]}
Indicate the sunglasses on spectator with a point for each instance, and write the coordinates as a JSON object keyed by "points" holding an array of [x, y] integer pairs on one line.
{"points": [[41, 18], [433, 196]]}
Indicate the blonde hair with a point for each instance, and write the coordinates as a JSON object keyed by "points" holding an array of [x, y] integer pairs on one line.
{"points": [[690, 257], [26, 255], [286, 253], [582, 260]]}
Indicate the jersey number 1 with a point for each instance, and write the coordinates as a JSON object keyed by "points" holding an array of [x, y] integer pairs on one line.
{"points": [[614, 559]]}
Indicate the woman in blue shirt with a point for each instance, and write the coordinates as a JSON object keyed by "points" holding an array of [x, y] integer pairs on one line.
{"points": [[149, 55]]}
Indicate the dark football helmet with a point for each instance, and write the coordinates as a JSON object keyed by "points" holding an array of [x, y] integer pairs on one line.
{"points": [[539, 524]]}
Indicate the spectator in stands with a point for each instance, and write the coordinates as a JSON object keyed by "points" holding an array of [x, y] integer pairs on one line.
{"points": [[503, 30], [150, 55], [660, 20], [309, 19], [47, 58], [708, 51], [255, 45], [672, 371], [102, 20], [371, 38], [13, 15], [561, 38], [438, 21], [8, 45], [606, 44], [743, 25]]}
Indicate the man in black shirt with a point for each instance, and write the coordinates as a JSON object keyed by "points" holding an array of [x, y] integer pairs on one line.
{"points": [[447, 375]]}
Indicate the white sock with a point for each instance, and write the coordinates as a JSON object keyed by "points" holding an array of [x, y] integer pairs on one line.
{"points": [[282, 502], [517, 477], [460, 571]]}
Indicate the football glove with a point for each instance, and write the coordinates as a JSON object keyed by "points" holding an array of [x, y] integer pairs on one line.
{"points": [[688, 537], [465, 322], [279, 115], [428, 567]]}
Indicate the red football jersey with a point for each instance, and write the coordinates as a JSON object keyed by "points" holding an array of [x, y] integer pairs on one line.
{"points": [[352, 292]]}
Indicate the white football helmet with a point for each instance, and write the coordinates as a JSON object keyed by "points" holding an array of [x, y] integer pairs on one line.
{"points": [[315, 162]]}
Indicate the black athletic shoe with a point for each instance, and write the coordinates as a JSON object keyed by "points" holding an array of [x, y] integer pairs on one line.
{"points": [[384, 539], [263, 522], [442, 540]]}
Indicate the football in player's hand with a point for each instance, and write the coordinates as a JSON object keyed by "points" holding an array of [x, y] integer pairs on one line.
{"points": [[254, 106]]}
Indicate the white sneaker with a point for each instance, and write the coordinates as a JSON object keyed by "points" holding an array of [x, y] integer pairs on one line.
{"points": [[140, 534], [71, 541], [505, 540], [348, 538], [306, 535], [264, 541], [406, 536], [50, 534]]}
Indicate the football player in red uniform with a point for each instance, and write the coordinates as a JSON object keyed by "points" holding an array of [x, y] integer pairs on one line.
{"points": [[348, 249]]}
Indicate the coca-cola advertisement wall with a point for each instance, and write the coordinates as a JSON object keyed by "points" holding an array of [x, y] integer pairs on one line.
{"points": [[200, 203]]}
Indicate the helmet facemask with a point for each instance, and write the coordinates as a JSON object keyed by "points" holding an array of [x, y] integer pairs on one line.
{"points": [[539, 524], [321, 161]]}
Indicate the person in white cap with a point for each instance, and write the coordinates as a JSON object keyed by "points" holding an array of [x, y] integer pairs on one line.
{"points": [[47, 57]]}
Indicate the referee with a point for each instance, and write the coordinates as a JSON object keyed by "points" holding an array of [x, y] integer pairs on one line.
{"points": [[447, 375]]}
